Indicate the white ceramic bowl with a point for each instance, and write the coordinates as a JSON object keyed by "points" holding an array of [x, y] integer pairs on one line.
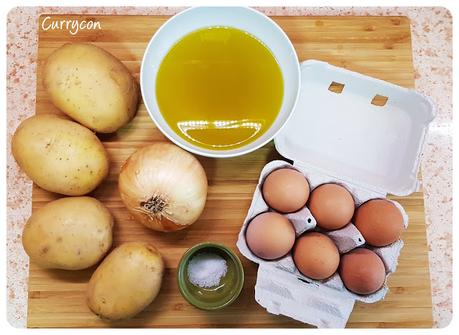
{"points": [[243, 18]]}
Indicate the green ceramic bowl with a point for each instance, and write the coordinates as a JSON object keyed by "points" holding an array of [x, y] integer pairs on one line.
{"points": [[211, 298]]}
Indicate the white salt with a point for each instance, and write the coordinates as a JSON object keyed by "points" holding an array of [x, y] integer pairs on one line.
{"points": [[206, 270]]}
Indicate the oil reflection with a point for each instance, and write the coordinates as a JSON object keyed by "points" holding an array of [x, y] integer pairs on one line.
{"points": [[202, 125]]}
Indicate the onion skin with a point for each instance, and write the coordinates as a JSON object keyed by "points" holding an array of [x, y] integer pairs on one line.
{"points": [[163, 187]]}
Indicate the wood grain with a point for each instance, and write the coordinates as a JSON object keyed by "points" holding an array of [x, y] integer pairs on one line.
{"points": [[376, 46]]}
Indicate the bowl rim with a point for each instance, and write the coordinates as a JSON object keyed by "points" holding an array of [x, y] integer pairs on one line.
{"points": [[181, 273], [209, 152]]}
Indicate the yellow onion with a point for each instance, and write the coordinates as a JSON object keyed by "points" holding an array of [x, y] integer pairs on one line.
{"points": [[163, 186]]}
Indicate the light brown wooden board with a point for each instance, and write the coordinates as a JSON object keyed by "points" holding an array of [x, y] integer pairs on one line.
{"points": [[376, 46]]}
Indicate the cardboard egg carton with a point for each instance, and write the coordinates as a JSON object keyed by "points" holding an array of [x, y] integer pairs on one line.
{"points": [[333, 294], [340, 137]]}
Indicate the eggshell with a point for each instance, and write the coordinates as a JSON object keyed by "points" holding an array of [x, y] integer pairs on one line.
{"points": [[332, 206], [270, 235], [362, 271], [316, 256], [286, 190], [379, 221]]}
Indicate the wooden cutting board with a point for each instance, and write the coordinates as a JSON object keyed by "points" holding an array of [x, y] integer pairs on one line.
{"points": [[376, 46]]}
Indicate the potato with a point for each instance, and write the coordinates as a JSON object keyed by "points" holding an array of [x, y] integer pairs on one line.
{"points": [[126, 282], [68, 233], [60, 155], [91, 86]]}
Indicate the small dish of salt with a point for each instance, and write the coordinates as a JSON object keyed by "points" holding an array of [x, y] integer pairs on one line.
{"points": [[210, 276], [206, 270]]}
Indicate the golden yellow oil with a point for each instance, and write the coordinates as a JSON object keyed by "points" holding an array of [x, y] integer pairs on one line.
{"points": [[219, 88]]}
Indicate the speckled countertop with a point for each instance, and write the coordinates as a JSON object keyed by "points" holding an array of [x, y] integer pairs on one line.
{"points": [[432, 57]]}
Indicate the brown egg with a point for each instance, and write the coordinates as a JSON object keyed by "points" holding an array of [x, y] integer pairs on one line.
{"points": [[362, 271], [332, 206], [286, 190], [316, 256], [379, 221], [270, 235]]}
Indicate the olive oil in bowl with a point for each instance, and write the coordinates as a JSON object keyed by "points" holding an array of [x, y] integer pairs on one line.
{"points": [[219, 88]]}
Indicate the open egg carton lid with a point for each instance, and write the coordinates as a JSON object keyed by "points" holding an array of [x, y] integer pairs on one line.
{"points": [[356, 128]]}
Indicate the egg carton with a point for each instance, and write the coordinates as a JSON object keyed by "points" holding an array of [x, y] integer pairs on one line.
{"points": [[344, 137], [321, 296]]}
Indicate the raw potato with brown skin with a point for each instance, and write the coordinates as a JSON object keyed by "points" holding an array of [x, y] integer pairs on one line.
{"points": [[91, 86], [126, 282], [68, 233], [60, 155]]}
